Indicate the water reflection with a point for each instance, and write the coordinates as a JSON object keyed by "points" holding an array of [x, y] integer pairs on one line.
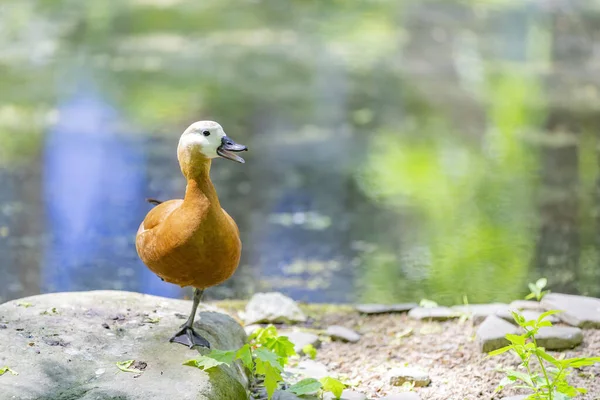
{"points": [[93, 187], [399, 150]]}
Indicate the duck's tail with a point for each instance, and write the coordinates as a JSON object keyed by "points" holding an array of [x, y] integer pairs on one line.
{"points": [[154, 201]]}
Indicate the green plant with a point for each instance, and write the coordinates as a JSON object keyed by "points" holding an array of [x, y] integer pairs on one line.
{"points": [[4, 370], [540, 372], [536, 289], [266, 354]]}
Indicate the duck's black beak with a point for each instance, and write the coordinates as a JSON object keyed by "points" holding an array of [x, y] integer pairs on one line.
{"points": [[228, 147]]}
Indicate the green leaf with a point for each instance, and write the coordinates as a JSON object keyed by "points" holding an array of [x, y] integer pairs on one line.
{"points": [[204, 363], [533, 288], [272, 375], [124, 366], [541, 283], [540, 352], [281, 346], [225, 357], [261, 335], [245, 354], [547, 314], [310, 351], [519, 319], [499, 351], [516, 339], [579, 362], [305, 386], [333, 385], [4, 370], [267, 356], [530, 296], [544, 323], [517, 375]]}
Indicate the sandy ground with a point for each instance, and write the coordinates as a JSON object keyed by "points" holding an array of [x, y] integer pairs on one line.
{"points": [[447, 350]]}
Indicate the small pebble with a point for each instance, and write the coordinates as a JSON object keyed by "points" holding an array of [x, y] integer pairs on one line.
{"points": [[399, 376]]}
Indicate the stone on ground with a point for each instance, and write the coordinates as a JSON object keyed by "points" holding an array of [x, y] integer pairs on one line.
{"points": [[433, 313], [337, 332], [526, 305], [398, 376], [71, 351], [559, 337], [301, 339], [490, 334], [272, 307], [479, 312], [580, 311], [309, 369], [519, 397], [385, 308], [402, 396]]}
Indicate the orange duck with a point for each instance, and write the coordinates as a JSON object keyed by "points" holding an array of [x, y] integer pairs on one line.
{"points": [[193, 242]]}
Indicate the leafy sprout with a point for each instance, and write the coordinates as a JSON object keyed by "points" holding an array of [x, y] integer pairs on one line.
{"points": [[536, 289], [541, 373], [266, 354], [4, 370]]}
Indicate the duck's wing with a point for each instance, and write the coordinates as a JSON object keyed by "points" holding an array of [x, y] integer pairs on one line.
{"points": [[158, 214]]}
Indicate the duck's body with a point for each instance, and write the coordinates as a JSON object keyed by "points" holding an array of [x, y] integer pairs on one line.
{"points": [[193, 242]]}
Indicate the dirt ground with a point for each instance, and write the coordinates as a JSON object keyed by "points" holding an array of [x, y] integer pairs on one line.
{"points": [[447, 350]]}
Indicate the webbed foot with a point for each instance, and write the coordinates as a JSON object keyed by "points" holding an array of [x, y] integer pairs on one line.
{"points": [[188, 337]]}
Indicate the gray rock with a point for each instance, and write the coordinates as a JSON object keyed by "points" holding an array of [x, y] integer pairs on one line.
{"points": [[301, 339], [402, 396], [490, 334], [347, 394], [272, 307], [70, 354], [399, 376], [337, 332], [527, 314], [385, 308], [559, 337], [580, 311], [433, 313], [526, 305], [519, 397], [309, 369], [479, 312]]}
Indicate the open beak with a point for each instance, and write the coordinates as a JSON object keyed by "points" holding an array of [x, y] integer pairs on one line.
{"points": [[228, 148]]}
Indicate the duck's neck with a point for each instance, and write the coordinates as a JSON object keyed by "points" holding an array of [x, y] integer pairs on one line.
{"points": [[200, 190]]}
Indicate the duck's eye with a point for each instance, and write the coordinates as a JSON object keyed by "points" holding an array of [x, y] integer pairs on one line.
{"points": [[206, 133]]}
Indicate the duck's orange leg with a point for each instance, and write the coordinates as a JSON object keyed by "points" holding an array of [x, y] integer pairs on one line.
{"points": [[187, 336]]}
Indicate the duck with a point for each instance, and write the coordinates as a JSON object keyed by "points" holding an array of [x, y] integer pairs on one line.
{"points": [[193, 241]]}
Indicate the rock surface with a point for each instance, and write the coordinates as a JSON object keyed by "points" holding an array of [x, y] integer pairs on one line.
{"points": [[301, 339], [337, 332], [519, 397], [526, 305], [71, 351], [399, 376], [433, 313], [579, 311], [479, 312], [559, 337], [490, 334], [385, 308], [272, 307]]}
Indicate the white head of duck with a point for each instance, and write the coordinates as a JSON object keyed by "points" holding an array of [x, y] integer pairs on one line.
{"points": [[205, 140]]}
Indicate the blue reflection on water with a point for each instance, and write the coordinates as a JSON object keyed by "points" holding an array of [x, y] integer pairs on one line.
{"points": [[94, 188]]}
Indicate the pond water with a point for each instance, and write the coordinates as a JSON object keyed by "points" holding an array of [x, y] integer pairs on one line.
{"points": [[446, 150]]}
